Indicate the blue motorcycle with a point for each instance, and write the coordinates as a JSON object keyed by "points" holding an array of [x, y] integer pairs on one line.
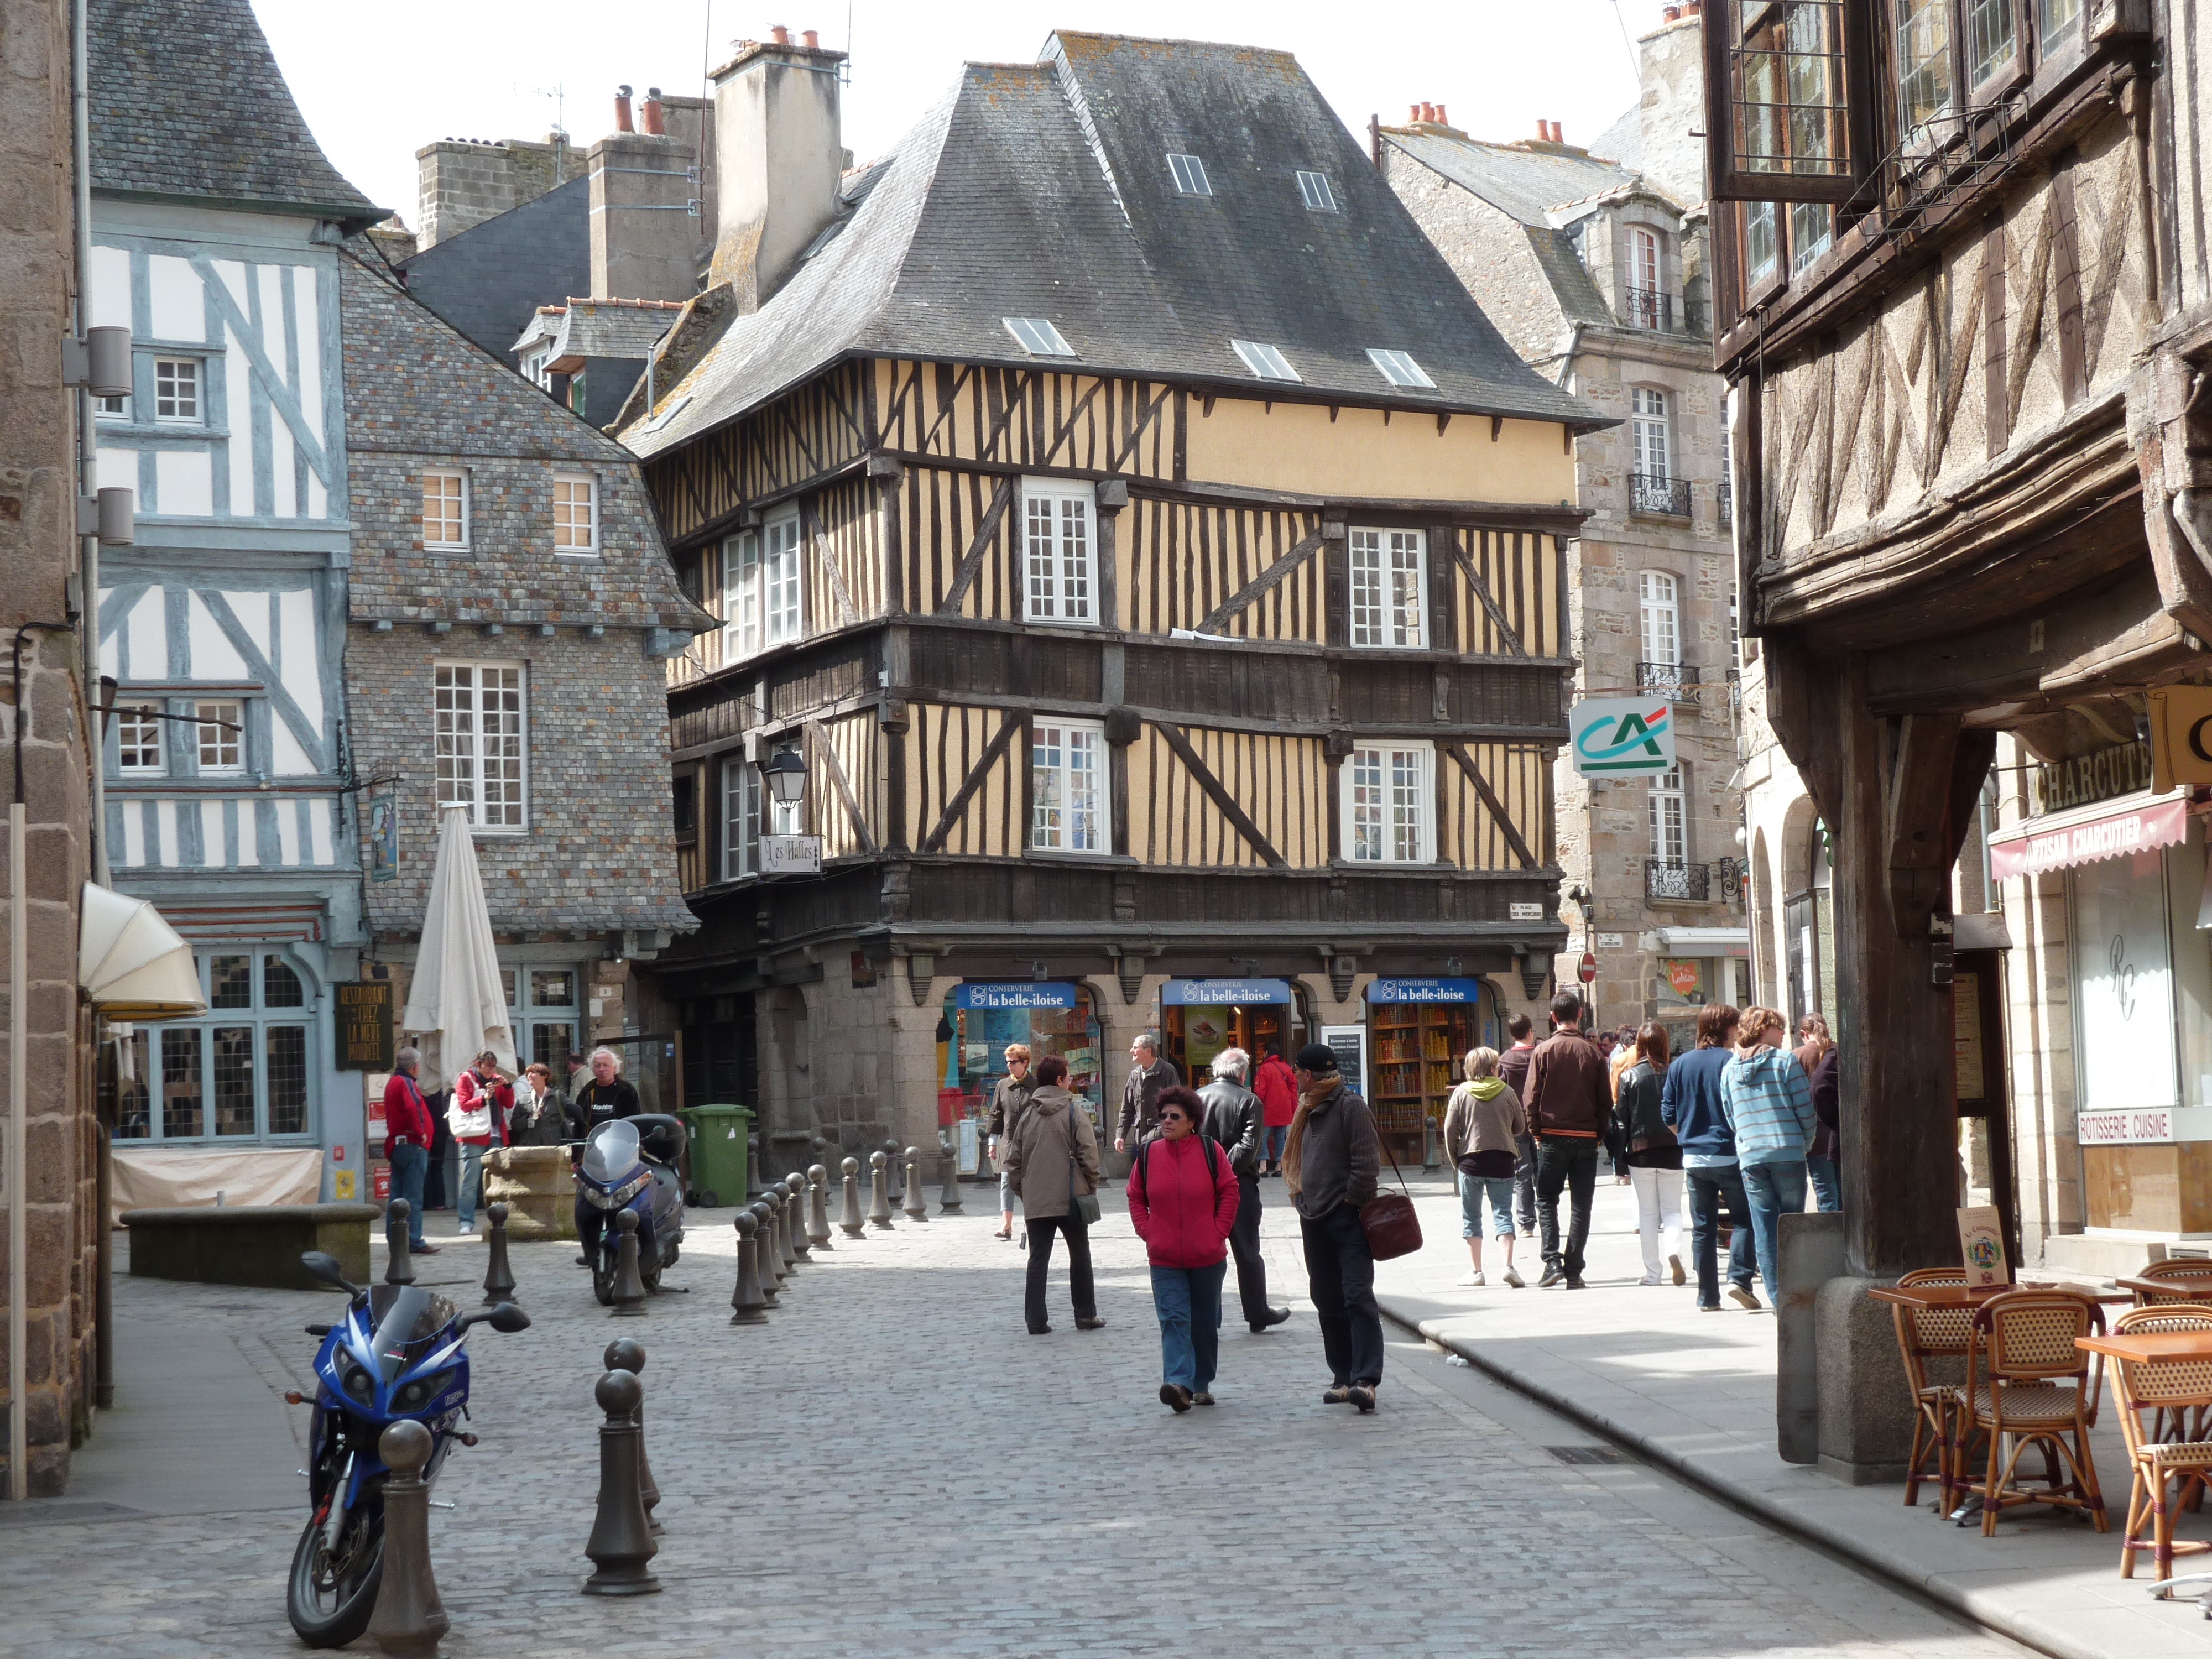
{"points": [[398, 1353], [630, 1164]]}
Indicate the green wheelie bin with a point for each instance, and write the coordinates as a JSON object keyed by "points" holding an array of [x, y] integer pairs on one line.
{"points": [[719, 1135]]}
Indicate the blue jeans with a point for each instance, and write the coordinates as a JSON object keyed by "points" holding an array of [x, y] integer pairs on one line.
{"points": [[1471, 1191], [409, 1165], [1710, 1189], [1279, 1137], [1771, 1188], [471, 1182], [1827, 1185], [1188, 1302]]}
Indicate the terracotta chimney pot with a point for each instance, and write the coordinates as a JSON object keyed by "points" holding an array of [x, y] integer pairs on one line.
{"points": [[653, 121], [811, 39], [780, 34], [1443, 120], [1413, 113], [1543, 130], [622, 110], [1670, 13]]}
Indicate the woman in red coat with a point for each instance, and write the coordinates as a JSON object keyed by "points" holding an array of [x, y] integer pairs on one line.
{"points": [[1183, 1201], [1276, 1086]]}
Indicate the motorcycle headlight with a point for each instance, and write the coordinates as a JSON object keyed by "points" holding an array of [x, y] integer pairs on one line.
{"points": [[358, 1385], [603, 1201], [414, 1395], [636, 1184]]}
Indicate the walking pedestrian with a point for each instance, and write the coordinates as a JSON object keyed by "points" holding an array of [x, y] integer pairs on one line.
{"points": [[1570, 1111], [1230, 1116], [476, 1113], [1052, 1160], [1008, 1102], [1277, 1086], [1148, 1073], [1689, 1105], [1183, 1199], [409, 1133], [1651, 1153], [1513, 1072], [1329, 1169], [1768, 1101], [1816, 1049], [1484, 1122]]}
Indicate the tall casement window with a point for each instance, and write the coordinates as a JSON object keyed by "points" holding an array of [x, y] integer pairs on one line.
{"points": [[1651, 485], [1661, 617], [138, 737], [238, 1075], [1644, 308], [741, 817], [1067, 787], [1811, 232], [1387, 584], [575, 514], [1923, 64], [763, 597], [445, 509], [479, 715], [1059, 569], [1669, 843], [1389, 804], [1781, 111]]}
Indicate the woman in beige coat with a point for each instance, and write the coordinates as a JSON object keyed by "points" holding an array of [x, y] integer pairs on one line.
{"points": [[1053, 1160]]}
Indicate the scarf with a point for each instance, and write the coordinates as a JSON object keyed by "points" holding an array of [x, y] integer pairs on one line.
{"points": [[1323, 1091]]}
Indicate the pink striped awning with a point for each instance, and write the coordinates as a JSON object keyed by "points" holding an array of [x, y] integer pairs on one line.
{"points": [[2035, 848]]}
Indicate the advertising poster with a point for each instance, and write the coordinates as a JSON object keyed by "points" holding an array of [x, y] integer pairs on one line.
{"points": [[1205, 1034], [1981, 1244]]}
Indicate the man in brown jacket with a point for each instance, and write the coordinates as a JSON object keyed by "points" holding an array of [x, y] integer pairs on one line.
{"points": [[1570, 1103]]}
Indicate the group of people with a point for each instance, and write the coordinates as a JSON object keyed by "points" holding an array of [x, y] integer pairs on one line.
{"points": [[1197, 1158], [1746, 1120]]}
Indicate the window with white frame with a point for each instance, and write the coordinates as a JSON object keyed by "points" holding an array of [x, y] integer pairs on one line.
{"points": [[762, 596], [1387, 585], [1059, 579], [1669, 842], [1314, 191], [1067, 785], [1660, 615], [479, 738], [242, 1075], [1265, 361], [1647, 432], [177, 388], [445, 509], [1189, 174], [575, 513], [780, 597], [138, 736], [1038, 336], [118, 407], [222, 732], [1389, 804], [1398, 366], [1644, 308], [741, 817], [741, 593]]}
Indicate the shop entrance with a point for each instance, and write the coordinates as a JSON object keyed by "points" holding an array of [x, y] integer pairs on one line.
{"points": [[1199, 1017], [1420, 1030], [980, 1019]]}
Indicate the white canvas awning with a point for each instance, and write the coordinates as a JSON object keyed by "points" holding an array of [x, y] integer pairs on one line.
{"points": [[457, 1003], [131, 963], [1705, 941]]}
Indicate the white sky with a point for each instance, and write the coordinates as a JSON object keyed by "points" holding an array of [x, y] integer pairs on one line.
{"points": [[377, 83]]}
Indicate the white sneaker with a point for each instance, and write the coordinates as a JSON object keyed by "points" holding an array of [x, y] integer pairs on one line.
{"points": [[1649, 1279], [466, 1230], [1475, 1278], [1514, 1278]]}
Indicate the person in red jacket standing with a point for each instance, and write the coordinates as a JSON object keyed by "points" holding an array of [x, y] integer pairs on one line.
{"points": [[483, 1097], [409, 1129], [1276, 1086], [1182, 1202]]}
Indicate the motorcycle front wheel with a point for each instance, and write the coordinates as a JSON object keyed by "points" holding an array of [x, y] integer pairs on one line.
{"points": [[603, 1285], [331, 1595]]}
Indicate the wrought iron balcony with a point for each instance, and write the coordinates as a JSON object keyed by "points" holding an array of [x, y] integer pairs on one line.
{"points": [[1647, 307], [1650, 492], [1678, 679], [1664, 878], [1728, 503]]}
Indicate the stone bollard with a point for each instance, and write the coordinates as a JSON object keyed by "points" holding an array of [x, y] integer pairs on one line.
{"points": [[627, 1354], [1430, 1162], [786, 1225], [629, 1289], [948, 1204], [747, 1305], [757, 1150], [498, 1277], [817, 1207], [879, 1197], [771, 1277], [849, 1218], [777, 1255], [799, 1242], [917, 1202], [620, 1541], [895, 1191], [409, 1617], [399, 1264]]}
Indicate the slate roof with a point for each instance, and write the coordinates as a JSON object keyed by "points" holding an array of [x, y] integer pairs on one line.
{"points": [[1044, 191], [1536, 187], [186, 100], [486, 281], [603, 328]]}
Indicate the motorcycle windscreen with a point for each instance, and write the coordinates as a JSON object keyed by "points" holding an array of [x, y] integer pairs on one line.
{"points": [[611, 1153], [409, 1320]]}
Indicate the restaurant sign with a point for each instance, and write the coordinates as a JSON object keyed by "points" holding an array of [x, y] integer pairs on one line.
{"points": [[2117, 835], [364, 1026], [2143, 1126]]}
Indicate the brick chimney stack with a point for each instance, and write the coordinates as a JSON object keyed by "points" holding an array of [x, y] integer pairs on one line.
{"points": [[780, 154], [646, 224]]}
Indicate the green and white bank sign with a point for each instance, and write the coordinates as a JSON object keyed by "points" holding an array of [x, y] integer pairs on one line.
{"points": [[1623, 737]]}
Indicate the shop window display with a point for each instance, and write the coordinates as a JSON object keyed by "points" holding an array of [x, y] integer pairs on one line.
{"points": [[1199, 1017], [980, 1020]]}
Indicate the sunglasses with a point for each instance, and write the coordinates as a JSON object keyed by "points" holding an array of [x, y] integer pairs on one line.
{"points": [[1171, 1115]]}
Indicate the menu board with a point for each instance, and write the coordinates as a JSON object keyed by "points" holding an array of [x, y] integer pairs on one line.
{"points": [[1981, 1244], [1349, 1043]]}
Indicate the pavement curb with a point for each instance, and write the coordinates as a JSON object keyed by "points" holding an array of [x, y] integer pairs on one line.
{"points": [[1987, 1612]]}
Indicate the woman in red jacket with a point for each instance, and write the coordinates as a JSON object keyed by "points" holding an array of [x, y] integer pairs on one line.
{"points": [[1183, 1201], [1276, 1086]]}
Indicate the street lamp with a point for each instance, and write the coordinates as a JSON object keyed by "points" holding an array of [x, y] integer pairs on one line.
{"points": [[785, 774]]}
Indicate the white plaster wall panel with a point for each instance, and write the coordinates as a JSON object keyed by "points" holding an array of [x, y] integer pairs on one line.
{"points": [[307, 331], [165, 823], [320, 841], [232, 273], [246, 825], [301, 661], [184, 483], [177, 303], [287, 759], [118, 469], [147, 636], [214, 656], [134, 834], [274, 342], [110, 303], [319, 498], [111, 648], [287, 835], [284, 488], [251, 610], [238, 379], [214, 852]]}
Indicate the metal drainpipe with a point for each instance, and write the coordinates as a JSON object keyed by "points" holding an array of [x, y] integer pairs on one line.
{"points": [[87, 447]]}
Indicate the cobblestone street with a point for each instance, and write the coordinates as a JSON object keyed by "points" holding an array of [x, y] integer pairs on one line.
{"points": [[893, 1465]]}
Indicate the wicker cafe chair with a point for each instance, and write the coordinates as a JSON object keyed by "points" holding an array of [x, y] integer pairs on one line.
{"points": [[1943, 1335], [2171, 1390], [2027, 1384], [2190, 1277]]}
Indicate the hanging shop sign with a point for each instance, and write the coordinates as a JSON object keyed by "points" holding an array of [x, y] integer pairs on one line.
{"points": [[2040, 847], [1223, 993], [2181, 735], [1424, 990], [791, 855], [1623, 737], [364, 1024], [1051, 993], [2122, 770]]}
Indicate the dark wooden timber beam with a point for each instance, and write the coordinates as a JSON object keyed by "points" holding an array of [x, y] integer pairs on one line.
{"points": [[1497, 812], [985, 532], [1489, 603], [1260, 586], [1175, 740], [827, 752], [993, 753], [1916, 814]]}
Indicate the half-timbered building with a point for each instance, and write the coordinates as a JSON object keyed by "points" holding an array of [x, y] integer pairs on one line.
{"points": [[1153, 559]]}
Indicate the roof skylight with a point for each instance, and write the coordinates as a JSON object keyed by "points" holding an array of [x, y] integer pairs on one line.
{"points": [[1038, 336], [1314, 187], [1190, 173], [1398, 367], [1264, 359]]}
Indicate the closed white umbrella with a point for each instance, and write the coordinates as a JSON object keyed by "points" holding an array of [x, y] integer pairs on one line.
{"points": [[456, 1003]]}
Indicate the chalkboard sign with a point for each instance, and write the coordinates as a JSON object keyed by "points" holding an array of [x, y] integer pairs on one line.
{"points": [[1349, 1043], [364, 1022]]}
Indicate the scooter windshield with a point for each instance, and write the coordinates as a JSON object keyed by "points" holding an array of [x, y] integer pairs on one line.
{"points": [[611, 1153], [409, 1321]]}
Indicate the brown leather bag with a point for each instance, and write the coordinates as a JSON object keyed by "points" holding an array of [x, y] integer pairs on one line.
{"points": [[1393, 1229]]}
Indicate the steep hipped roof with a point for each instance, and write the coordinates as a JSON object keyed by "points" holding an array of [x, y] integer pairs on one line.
{"points": [[1044, 191], [1536, 187], [613, 328], [186, 100], [487, 280]]}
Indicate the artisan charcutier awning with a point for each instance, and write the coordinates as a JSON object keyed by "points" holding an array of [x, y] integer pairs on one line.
{"points": [[2110, 829]]}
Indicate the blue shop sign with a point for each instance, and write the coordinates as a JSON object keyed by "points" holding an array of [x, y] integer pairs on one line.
{"points": [[1424, 990], [1052, 994], [1224, 993]]}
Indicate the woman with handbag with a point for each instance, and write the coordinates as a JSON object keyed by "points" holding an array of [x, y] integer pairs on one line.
{"points": [[1652, 1154], [1331, 1169], [1483, 1124], [476, 1113], [1052, 1164], [1182, 1202]]}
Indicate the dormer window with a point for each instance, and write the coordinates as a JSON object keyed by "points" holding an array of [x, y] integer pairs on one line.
{"points": [[1313, 188], [1264, 359], [1398, 367], [1038, 336], [1189, 175]]}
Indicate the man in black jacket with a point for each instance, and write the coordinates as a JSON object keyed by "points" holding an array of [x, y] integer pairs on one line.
{"points": [[1148, 1073], [1232, 1120]]}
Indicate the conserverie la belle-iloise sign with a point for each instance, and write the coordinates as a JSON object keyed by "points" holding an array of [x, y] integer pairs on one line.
{"points": [[1622, 737]]}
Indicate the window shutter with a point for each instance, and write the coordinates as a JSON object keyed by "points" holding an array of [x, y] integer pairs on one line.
{"points": [[1785, 117]]}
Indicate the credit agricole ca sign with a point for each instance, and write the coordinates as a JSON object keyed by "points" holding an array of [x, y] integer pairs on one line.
{"points": [[1623, 737]]}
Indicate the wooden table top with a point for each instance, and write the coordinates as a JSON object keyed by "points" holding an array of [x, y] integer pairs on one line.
{"points": [[1973, 1296], [2150, 1344], [2195, 1285]]}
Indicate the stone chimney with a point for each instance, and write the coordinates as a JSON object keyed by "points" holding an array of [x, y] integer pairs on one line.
{"points": [[462, 182], [779, 154], [646, 212], [1671, 63]]}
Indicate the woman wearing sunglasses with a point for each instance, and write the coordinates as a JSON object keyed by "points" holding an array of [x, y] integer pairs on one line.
{"points": [[1182, 1202]]}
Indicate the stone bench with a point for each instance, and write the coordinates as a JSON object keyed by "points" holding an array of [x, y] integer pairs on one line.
{"points": [[249, 1243]]}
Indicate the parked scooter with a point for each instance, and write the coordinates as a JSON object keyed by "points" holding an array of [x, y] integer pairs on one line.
{"points": [[630, 1164], [398, 1353]]}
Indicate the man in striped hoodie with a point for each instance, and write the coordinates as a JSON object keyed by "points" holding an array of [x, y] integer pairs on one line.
{"points": [[1768, 1102]]}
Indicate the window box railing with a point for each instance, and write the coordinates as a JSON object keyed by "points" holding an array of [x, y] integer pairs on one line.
{"points": [[1647, 307], [1650, 492], [1664, 878], [1678, 679]]}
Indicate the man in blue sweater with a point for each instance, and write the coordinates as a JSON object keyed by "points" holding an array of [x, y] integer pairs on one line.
{"points": [[1690, 1104]]}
